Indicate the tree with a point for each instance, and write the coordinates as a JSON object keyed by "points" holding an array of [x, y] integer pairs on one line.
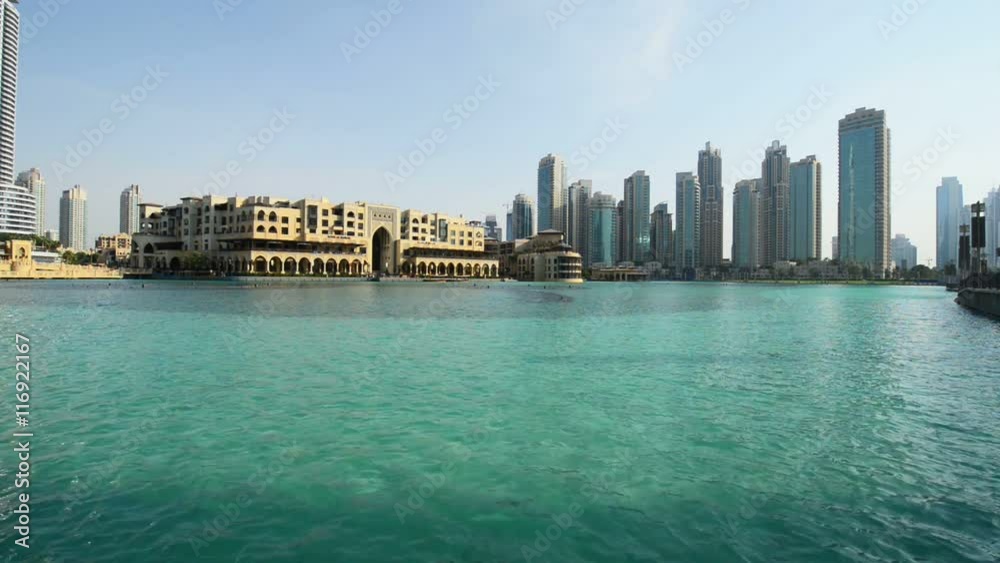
{"points": [[194, 262], [920, 272], [69, 257]]}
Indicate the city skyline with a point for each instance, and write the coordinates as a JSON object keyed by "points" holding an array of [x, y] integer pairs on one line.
{"points": [[492, 139]]}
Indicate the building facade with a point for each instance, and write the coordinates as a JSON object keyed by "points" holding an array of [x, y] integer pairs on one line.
{"points": [[904, 254], [73, 219], [266, 235], [949, 217], [864, 173], [547, 257], [10, 22], [522, 214], [661, 234], [552, 193], [993, 229], [712, 211], [746, 236], [128, 210], [603, 231], [636, 217], [114, 248], [35, 182], [577, 216], [17, 211], [775, 185], [805, 210], [687, 234]]}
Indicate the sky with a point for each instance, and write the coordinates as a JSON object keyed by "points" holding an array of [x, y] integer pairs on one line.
{"points": [[310, 98]]}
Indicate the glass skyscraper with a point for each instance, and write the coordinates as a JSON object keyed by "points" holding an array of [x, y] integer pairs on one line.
{"points": [[73, 219], [805, 210], [602, 226], [552, 188], [661, 233], [746, 236], [636, 227], [949, 218], [712, 201], [864, 218], [522, 218], [576, 213], [774, 205], [687, 233]]}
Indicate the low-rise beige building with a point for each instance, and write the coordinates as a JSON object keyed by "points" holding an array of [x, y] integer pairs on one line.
{"points": [[543, 258], [116, 248], [267, 235], [17, 262]]}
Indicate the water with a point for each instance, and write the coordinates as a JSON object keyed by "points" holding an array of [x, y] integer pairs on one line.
{"points": [[447, 423]]}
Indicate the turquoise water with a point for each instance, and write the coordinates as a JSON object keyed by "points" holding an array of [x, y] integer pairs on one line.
{"points": [[453, 423]]}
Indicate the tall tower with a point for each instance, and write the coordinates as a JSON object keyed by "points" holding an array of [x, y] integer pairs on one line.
{"points": [[774, 200], [710, 176], [73, 219], [864, 213], [949, 216], [577, 216], [552, 212], [35, 182], [10, 22], [128, 210], [522, 218], [805, 210], [746, 234], [687, 234], [602, 226], [636, 217], [662, 234]]}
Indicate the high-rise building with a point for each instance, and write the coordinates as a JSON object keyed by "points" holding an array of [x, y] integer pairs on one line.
{"points": [[865, 218], [603, 230], [523, 218], [835, 248], [904, 254], [620, 241], [17, 211], [552, 212], [510, 226], [10, 21], [746, 213], [661, 233], [128, 210], [577, 216], [73, 219], [493, 229], [636, 228], [949, 216], [774, 205], [35, 182], [710, 177], [805, 210], [687, 234], [993, 229]]}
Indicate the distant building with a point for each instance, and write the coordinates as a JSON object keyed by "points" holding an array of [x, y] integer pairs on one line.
{"points": [[493, 230], [577, 216], [552, 193], [949, 218], [114, 248], [35, 182], [904, 254], [746, 236], [510, 226], [774, 193], [547, 258], [864, 190], [73, 219], [51, 234], [835, 247], [687, 234], [712, 203], [636, 217], [602, 226], [993, 229], [128, 210], [805, 210], [661, 232], [620, 241], [522, 218]]}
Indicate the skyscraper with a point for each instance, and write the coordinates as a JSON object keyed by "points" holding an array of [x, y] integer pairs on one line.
{"points": [[687, 234], [949, 216], [33, 180], [993, 229], [523, 218], [864, 180], [493, 229], [620, 242], [128, 210], [552, 212], [805, 210], [10, 21], [17, 211], [577, 216], [602, 226], [661, 232], [510, 226], [774, 203], [904, 254], [73, 219], [835, 247], [746, 236], [710, 176], [636, 227]]}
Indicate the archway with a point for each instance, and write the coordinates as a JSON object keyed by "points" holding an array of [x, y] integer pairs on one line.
{"points": [[382, 258], [290, 266], [274, 267]]}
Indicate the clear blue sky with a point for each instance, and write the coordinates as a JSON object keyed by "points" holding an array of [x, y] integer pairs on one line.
{"points": [[558, 84]]}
